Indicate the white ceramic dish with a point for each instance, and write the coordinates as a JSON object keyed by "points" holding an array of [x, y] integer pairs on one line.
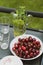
{"points": [[11, 60], [22, 36]]}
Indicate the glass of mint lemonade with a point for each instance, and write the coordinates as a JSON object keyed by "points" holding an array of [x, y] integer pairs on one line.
{"points": [[19, 27], [18, 21]]}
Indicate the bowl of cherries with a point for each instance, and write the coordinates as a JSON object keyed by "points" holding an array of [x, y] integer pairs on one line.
{"points": [[26, 47]]}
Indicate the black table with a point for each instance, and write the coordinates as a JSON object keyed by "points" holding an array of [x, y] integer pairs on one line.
{"points": [[38, 61]]}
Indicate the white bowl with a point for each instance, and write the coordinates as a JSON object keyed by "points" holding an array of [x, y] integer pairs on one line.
{"points": [[11, 60], [23, 36]]}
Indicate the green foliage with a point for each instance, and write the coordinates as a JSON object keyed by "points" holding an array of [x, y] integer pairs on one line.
{"points": [[18, 23]]}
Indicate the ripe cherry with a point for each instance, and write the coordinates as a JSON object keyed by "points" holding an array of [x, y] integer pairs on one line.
{"points": [[34, 42], [33, 50], [20, 55], [19, 39], [34, 39], [25, 44], [13, 48], [24, 56], [30, 39], [26, 52], [23, 40], [37, 42], [30, 49], [31, 54], [37, 52], [29, 45], [19, 49], [34, 47], [26, 39], [38, 46], [23, 53], [28, 56], [16, 51], [23, 48], [19, 42], [16, 46]]}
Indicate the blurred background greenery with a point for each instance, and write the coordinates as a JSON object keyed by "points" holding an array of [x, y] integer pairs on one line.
{"points": [[31, 5]]}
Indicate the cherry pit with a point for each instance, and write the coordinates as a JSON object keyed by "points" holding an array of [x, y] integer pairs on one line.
{"points": [[27, 47]]}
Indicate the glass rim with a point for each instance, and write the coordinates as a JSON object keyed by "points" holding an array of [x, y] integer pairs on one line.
{"points": [[4, 20]]}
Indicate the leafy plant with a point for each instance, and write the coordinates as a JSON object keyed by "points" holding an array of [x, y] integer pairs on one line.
{"points": [[18, 20]]}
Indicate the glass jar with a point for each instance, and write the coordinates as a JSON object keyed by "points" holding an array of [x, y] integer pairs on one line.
{"points": [[18, 22]]}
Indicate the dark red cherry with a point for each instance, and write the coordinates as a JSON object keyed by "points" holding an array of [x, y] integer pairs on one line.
{"points": [[33, 50], [30, 49], [29, 45], [37, 42], [28, 56], [26, 52], [19, 39], [16, 46], [37, 52], [23, 40], [13, 48], [34, 47], [19, 43], [23, 48], [24, 56], [19, 49], [26, 39], [31, 54], [20, 55], [30, 39], [16, 51], [34, 39]]}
